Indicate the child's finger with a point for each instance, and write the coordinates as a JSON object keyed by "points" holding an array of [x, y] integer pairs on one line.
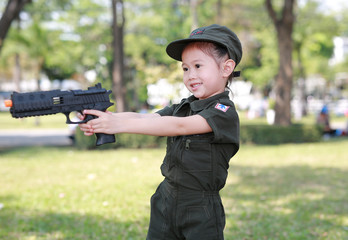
{"points": [[80, 116], [93, 112], [86, 128]]}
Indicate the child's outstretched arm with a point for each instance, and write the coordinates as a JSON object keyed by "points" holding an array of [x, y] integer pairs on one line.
{"points": [[149, 124]]}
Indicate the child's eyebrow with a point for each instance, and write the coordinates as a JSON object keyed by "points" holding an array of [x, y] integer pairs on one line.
{"points": [[193, 62]]}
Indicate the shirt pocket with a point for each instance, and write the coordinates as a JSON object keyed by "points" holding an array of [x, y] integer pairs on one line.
{"points": [[197, 156]]}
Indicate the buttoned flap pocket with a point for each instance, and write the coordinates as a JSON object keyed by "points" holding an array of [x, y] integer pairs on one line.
{"points": [[196, 155]]}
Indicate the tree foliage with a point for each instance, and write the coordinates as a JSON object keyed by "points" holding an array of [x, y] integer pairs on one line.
{"points": [[313, 42], [71, 38], [11, 12]]}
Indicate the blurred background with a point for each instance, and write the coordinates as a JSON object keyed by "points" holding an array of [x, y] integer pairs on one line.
{"points": [[292, 89], [294, 62]]}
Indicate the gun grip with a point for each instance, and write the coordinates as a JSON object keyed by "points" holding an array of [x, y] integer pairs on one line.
{"points": [[103, 138]]}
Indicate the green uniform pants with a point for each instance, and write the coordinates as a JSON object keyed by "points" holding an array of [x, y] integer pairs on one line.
{"points": [[178, 214]]}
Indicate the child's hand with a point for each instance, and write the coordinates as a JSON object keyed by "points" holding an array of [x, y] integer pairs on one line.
{"points": [[84, 126], [102, 124]]}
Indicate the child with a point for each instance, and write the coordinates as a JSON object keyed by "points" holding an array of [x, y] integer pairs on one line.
{"points": [[203, 135]]}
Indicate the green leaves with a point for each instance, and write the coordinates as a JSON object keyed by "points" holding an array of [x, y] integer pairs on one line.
{"points": [[72, 37]]}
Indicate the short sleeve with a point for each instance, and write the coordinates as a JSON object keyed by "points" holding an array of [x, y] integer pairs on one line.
{"points": [[171, 110], [167, 111], [224, 121]]}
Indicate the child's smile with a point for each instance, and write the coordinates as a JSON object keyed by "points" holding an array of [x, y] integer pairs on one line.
{"points": [[195, 86], [202, 75]]}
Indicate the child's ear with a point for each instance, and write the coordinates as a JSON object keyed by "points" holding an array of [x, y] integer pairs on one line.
{"points": [[228, 67]]}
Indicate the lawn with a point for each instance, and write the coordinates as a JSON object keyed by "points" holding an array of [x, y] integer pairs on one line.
{"points": [[294, 191], [49, 121]]}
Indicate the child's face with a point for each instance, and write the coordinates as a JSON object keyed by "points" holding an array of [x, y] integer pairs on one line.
{"points": [[203, 77]]}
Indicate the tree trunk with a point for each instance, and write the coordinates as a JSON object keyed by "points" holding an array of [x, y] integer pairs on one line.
{"points": [[17, 73], [284, 77], [219, 12], [194, 14], [283, 85], [11, 12], [117, 65]]}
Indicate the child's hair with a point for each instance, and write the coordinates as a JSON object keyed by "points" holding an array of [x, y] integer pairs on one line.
{"points": [[216, 51]]}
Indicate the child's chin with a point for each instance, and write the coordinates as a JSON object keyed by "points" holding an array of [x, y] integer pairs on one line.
{"points": [[199, 96]]}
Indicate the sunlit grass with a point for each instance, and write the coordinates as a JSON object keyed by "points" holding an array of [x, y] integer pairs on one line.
{"points": [[289, 192], [49, 121], [294, 191], [78, 195]]}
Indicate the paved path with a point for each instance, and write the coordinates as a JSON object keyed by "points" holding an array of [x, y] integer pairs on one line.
{"points": [[43, 137]]}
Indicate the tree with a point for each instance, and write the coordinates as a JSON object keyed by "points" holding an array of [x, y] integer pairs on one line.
{"points": [[118, 64], [30, 44], [283, 81], [11, 12], [194, 14]]}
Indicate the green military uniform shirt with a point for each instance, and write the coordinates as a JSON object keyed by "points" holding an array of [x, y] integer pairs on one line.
{"points": [[200, 162]]}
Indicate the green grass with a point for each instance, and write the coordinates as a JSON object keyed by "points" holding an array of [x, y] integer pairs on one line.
{"points": [[49, 121], [288, 192], [61, 193], [273, 192]]}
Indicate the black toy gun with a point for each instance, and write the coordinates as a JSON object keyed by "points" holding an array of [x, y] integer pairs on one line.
{"points": [[56, 101]]}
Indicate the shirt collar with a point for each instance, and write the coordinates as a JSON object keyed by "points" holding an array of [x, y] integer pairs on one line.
{"points": [[198, 105]]}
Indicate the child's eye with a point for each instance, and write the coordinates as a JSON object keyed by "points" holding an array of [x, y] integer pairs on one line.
{"points": [[185, 69], [198, 66]]}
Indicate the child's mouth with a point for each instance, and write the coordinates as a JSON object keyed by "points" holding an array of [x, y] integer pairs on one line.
{"points": [[195, 86]]}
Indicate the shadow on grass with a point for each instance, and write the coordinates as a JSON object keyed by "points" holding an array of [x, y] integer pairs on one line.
{"points": [[20, 223], [293, 202]]}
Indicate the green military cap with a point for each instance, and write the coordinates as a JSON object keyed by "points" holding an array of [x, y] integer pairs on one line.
{"points": [[214, 33]]}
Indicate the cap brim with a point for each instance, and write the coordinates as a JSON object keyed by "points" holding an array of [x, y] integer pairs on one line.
{"points": [[175, 48]]}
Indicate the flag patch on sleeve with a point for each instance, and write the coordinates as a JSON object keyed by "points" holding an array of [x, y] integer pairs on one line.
{"points": [[221, 107]]}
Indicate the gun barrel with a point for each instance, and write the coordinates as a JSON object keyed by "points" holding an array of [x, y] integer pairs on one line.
{"points": [[30, 104]]}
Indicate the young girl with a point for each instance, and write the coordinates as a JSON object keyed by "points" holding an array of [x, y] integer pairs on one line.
{"points": [[203, 135]]}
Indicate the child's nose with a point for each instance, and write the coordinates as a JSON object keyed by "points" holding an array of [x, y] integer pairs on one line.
{"points": [[192, 74]]}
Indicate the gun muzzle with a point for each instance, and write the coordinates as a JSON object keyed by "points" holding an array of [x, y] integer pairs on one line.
{"points": [[8, 103]]}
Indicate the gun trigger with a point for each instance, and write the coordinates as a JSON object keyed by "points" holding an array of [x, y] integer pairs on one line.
{"points": [[68, 121], [87, 118]]}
